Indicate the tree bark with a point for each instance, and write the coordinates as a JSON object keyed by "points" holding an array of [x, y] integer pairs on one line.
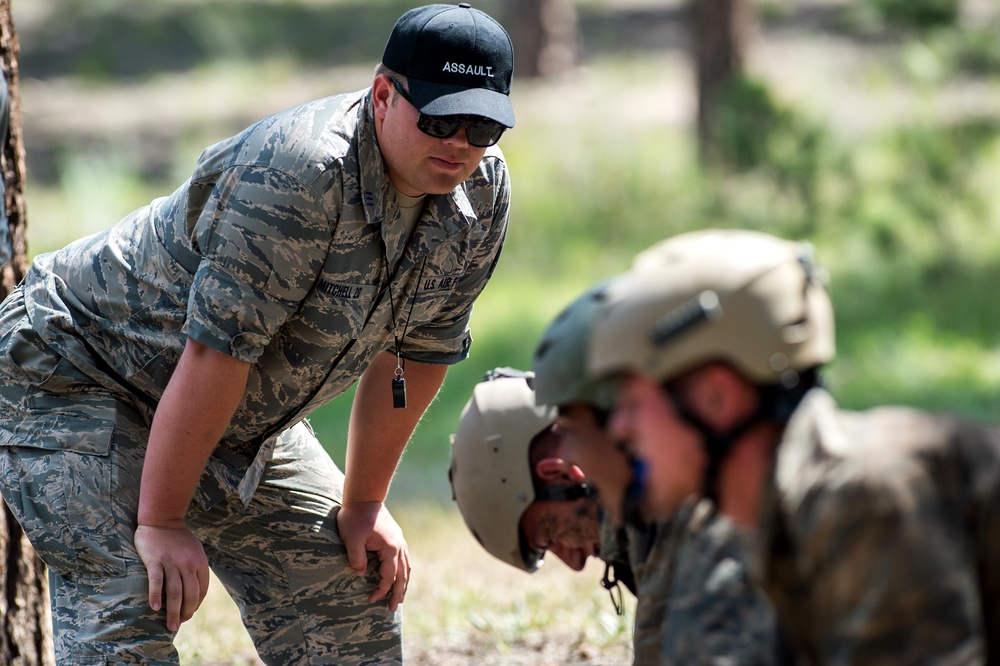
{"points": [[546, 36], [721, 35], [25, 623]]}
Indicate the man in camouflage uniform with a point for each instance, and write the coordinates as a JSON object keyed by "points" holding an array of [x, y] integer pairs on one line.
{"points": [[175, 357], [695, 603], [878, 532]]}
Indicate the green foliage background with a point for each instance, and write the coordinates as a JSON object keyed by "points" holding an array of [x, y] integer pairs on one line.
{"points": [[905, 217]]}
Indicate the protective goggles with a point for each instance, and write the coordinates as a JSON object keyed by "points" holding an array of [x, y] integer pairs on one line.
{"points": [[480, 132]]}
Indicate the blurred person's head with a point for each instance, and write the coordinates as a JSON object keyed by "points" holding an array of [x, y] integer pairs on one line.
{"points": [[713, 337]]}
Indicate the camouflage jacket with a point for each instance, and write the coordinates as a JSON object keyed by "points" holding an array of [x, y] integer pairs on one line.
{"points": [[879, 538], [284, 250], [710, 612], [695, 601]]}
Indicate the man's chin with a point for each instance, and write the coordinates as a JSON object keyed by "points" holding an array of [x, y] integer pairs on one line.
{"points": [[443, 185]]}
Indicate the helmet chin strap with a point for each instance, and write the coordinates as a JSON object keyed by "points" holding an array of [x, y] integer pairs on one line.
{"points": [[776, 403], [717, 444], [566, 493]]}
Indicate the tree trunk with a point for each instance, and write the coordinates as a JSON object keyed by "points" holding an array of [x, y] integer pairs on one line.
{"points": [[721, 33], [25, 624], [546, 36]]}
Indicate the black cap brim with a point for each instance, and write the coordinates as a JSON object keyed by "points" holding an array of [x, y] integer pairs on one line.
{"points": [[441, 99]]}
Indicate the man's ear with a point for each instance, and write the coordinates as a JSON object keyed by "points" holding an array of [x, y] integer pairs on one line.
{"points": [[720, 395], [381, 93], [554, 469]]}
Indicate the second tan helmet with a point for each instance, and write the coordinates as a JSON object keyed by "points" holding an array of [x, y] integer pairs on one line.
{"points": [[490, 472], [560, 364], [746, 298]]}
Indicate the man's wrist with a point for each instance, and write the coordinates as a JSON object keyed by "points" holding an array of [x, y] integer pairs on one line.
{"points": [[362, 503], [162, 523]]}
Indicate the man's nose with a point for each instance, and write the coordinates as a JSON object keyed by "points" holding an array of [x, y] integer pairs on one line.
{"points": [[459, 138]]}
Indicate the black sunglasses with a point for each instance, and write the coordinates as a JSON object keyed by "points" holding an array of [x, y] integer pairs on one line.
{"points": [[481, 132]]}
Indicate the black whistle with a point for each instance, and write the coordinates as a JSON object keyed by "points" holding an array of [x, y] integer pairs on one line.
{"points": [[399, 393]]}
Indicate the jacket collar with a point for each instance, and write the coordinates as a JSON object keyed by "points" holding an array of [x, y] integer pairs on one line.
{"points": [[444, 216]]}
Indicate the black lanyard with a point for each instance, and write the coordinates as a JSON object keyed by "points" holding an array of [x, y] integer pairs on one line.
{"points": [[399, 379]]}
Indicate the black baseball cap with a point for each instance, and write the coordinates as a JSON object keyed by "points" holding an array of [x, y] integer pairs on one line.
{"points": [[456, 59]]}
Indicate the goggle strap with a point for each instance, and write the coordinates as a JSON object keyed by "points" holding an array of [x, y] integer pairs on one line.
{"points": [[563, 493]]}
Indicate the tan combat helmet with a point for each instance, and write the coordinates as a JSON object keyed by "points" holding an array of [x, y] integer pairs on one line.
{"points": [[744, 297], [560, 364], [490, 472]]}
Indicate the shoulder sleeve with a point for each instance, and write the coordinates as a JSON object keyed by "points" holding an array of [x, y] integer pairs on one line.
{"points": [[263, 240], [888, 574]]}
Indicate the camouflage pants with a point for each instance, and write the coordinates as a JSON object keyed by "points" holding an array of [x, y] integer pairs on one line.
{"points": [[70, 464]]}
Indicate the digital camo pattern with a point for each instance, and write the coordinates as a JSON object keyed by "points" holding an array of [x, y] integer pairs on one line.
{"points": [[275, 252], [652, 564], [880, 537], [714, 614], [70, 465], [695, 602], [634, 552], [280, 558]]}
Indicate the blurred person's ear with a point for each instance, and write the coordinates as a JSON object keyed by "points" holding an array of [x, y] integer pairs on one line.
{"points": [[554, 470], [719, 395]]}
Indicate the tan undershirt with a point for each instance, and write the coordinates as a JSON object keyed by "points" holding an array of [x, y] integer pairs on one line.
{"points": [[409, 210]]}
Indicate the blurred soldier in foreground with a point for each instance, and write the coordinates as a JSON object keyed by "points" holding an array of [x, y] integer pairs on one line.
{"points": [[696, 603], [877, 533]]}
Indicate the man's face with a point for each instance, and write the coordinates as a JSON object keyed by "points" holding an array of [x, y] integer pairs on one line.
{"points": [[586, 444], [567, 529], [645, 420], [417, 163]]}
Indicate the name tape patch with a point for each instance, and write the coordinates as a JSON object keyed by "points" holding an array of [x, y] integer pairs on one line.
{"points": [[341, 289], [440, 282]]}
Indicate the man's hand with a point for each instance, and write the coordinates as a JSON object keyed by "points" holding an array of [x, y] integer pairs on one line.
{"points": [[367, 526], [177, 568], [193, 413]]}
